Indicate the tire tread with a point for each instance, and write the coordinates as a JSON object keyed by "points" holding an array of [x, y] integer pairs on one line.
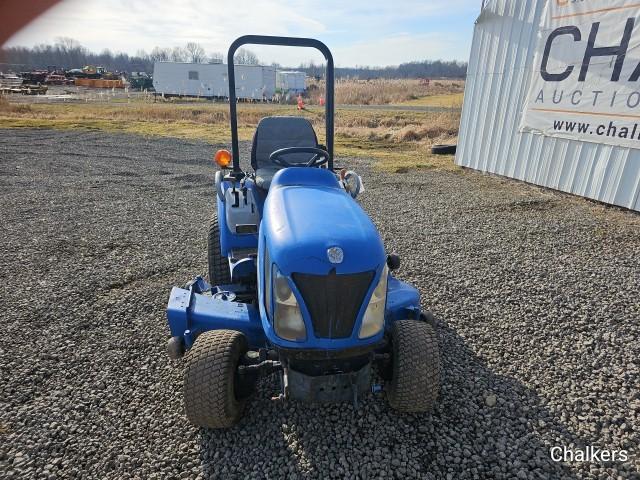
{"points": [[209, 395], [415, 380], [218, 265]]}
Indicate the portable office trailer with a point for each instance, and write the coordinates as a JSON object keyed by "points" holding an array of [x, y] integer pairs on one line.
{"points": [[288, 81], [519, 103], [210, 80], [255, 82], [190, 80]]}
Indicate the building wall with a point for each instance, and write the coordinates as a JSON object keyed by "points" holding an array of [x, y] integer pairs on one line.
{"points": [[500, 69]]}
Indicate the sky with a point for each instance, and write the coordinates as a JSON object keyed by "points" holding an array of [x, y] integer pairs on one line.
{"points": [[358, 32]]}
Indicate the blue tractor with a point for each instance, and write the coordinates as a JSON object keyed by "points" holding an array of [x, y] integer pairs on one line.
{"points": [[299, 284]]}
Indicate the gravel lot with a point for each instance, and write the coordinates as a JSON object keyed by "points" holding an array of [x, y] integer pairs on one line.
{"points": [[536, 294]]}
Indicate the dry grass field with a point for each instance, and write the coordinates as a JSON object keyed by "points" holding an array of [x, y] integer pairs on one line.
{"points": [[394, 138], [446, 100], [392, 91]]}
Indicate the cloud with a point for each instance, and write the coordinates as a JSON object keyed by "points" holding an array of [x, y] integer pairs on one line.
{"points": [[357, 31]]}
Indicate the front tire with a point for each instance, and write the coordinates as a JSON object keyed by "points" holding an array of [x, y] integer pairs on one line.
{"points": [[415, 381], [218, 265], [210, 396]]}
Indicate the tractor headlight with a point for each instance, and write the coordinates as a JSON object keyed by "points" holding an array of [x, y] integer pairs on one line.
{"points": [[287, 318], [374, 315]]}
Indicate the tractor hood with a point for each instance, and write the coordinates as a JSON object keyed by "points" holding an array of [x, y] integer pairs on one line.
{"points": [[306, 213]]}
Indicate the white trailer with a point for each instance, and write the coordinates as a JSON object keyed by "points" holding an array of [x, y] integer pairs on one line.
{"points": [[253, 82], [289, 81]]}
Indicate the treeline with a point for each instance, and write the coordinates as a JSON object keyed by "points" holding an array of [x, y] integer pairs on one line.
{"points": [[422, 69], [67, 53]]}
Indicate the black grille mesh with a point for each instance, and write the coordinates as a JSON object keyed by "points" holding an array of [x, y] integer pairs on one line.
{"points": [[333, 301]]}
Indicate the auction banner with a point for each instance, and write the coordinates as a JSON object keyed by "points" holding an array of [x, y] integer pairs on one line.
{"points": [[586, 72]]}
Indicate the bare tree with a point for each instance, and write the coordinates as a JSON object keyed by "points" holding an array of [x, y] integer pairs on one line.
{"points": [[160, 54], [67, 51], [245, 57], [67, 44], [216, 57], [195, 53], [178, 54]]}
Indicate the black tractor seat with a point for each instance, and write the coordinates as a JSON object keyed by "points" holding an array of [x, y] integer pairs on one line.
{"points": [[274, 133]]}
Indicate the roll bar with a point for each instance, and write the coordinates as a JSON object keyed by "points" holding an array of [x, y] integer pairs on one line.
{"points": [[287, 42]]}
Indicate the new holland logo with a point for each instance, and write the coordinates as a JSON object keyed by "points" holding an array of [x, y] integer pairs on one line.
{"points": [[335, 255]]}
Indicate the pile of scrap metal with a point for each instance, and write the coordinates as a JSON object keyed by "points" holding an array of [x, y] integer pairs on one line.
{"points": [[141, 81], [33, 89], [99, 83], [34, 77], [51, 76], [9, 80], [57, 79], [35, 82], [11, 83], [96, 77]]}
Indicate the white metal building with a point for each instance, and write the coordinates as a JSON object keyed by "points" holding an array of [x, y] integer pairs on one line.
{"points": [[501, 71], [210, 80], [289, 81]]}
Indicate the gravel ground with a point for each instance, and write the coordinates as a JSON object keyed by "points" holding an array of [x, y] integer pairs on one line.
{"points": [[536, 296]]}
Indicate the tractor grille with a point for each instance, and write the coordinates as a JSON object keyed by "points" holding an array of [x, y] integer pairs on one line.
{"points": [[333, 301]]}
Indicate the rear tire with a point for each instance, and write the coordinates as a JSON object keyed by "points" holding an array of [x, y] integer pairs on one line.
{"points": [[415, 381], [210, 397], [218, 265]]}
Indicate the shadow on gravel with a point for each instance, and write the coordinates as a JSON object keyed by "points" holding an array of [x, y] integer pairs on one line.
{"points": [[463, 438]]}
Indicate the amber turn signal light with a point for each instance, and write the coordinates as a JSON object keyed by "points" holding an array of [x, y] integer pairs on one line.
{"points": [[222, 158]]}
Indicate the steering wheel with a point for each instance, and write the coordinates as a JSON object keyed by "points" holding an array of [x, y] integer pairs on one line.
{"points": [[320, 156]]}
